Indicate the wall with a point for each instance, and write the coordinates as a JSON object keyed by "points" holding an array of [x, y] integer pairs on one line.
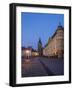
{"points": [[4, 45]]}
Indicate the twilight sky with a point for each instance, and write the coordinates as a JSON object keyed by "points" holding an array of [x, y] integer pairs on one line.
{"points": [[38, 25]]}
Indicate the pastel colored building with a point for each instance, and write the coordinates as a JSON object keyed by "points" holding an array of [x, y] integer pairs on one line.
{"points": [[55, 44], [26, 52], [34, 53]]}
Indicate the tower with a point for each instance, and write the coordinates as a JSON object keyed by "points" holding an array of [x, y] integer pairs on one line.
{"points": [[40, 49]]}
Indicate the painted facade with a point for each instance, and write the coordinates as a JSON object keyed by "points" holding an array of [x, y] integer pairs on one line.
{"points": [[55, 44], [26, 52]]}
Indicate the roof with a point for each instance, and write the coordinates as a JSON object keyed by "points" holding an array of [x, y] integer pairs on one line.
{"points": [[60, 27], [23, 48], [33, 50]]}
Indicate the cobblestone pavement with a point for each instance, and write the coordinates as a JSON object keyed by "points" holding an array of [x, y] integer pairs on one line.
{"points": [[42, 66]]}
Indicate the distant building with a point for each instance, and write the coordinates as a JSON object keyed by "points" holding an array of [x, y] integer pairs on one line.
{"points": [[40, 48], [55, 44], [34, 53], [26, 52]]}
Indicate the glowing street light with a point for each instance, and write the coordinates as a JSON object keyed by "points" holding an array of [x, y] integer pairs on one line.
{"points": [[28, 53]]}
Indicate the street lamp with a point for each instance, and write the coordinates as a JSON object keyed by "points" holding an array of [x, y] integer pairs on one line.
{"points": [[28, 53]]}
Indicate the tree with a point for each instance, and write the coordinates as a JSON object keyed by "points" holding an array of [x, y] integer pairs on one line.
{"points": [[40, 49]]}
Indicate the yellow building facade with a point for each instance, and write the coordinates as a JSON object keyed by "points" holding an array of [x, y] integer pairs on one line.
{"points": [[55, 45], [34, 53]]}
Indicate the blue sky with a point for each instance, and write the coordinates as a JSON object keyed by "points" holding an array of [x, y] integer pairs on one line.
{"points": [[38, 25]]}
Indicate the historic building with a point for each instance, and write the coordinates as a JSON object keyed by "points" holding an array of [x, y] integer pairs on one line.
{"points": [[28, 52], [40, 48], [34, 53], [55, 44]]}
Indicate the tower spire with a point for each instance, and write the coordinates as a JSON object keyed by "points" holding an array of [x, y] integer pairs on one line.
{"points": [[59, 23]]}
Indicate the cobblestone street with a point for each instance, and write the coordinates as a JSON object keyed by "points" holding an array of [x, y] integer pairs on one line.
{"points": [[42, 66]]}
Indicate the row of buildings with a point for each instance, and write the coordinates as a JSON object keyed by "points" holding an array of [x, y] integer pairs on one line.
{"points": [[27, 52], [53, 48]]}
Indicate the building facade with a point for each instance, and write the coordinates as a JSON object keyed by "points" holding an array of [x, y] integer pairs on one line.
{"points": [[26, 52], [55, 44], [34, 53], [29, 52]]}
